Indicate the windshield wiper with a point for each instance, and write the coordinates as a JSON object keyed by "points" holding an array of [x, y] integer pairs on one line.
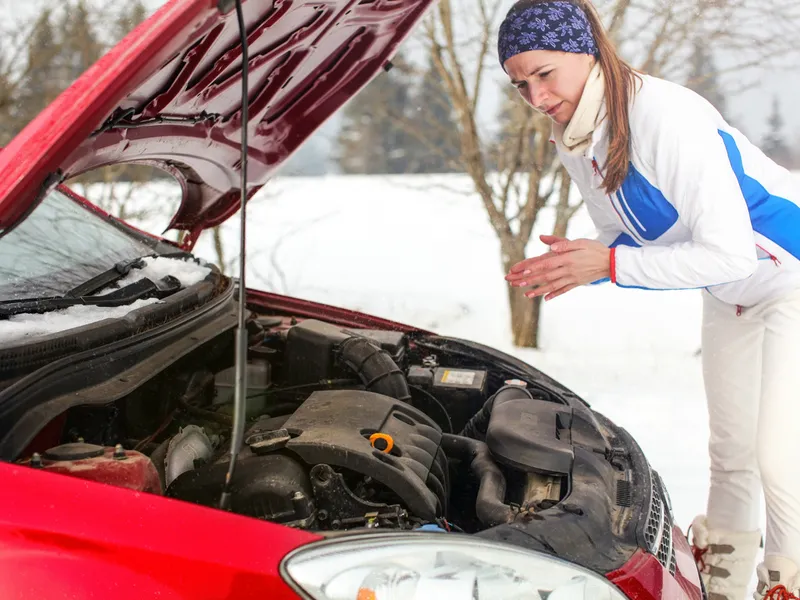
{"points": [[106, 278], [138, 290]]}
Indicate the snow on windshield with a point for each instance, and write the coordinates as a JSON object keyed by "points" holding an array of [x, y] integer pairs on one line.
{"points": [[27, 326], [24, 327], [155, 268]]}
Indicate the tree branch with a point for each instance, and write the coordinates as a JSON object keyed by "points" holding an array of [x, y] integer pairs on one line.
{"points": [[487, 20]]}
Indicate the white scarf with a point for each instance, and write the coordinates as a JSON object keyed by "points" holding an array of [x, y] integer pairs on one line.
{"points": [[577, 135]]}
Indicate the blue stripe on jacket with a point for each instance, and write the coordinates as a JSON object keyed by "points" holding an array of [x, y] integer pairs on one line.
{"points": [[776, 218], [647, 210]]}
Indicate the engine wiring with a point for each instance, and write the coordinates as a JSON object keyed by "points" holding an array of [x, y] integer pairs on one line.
{"points": [[325, 383], [436, 401], [164, 424]]}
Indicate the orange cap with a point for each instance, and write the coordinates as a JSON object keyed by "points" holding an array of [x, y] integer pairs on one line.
{"points": [[375, 437]]}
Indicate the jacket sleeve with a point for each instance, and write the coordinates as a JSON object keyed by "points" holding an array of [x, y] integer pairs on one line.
{"points": [[694, 173], [607, 233]]}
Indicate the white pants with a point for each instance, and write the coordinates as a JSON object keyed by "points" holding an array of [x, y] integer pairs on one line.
{"points": [[751, 367]]}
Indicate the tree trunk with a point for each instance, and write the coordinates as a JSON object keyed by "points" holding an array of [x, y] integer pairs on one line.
{"points": [[524, 311], [564, 211], [524, 318], [218, 247]]}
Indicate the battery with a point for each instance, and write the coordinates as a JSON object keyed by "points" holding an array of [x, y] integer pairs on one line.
{"points": [[462, 379], [462, 391]]}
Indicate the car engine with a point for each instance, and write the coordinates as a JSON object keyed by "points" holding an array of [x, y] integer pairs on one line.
{"points": [[342, 458], [352, 428]]}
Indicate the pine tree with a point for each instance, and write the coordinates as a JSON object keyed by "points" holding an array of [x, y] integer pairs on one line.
{"points": [[431, 118], [774, 144], [371, 140], [79, 48], [40, 85], [703, 76], [129, 18]]}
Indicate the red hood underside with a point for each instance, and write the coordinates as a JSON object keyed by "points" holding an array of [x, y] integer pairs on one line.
{"points": [[169, 94]]}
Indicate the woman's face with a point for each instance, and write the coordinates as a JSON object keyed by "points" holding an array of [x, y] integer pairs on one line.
{"points": [[551, 82]]}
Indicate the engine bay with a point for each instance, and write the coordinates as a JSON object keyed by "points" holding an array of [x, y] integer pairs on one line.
{"points": [[351, 429]]}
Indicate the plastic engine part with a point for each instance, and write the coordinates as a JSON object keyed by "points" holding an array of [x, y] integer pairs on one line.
{"points": [[273, 487], [309, 351], [531, 435], [334, 427]]}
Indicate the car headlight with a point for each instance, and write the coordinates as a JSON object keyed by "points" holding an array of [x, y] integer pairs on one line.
{"points": [[423, 566]]}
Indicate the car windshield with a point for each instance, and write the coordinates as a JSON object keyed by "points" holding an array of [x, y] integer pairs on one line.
{"points": [[60, 245]]}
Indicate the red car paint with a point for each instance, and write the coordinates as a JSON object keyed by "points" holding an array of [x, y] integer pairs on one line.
{"points": [[643, 577], [169, 94], [62, 537], [314, 310]]}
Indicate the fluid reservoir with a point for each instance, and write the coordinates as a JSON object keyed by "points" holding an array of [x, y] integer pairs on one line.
{"points": [[258, 381]]}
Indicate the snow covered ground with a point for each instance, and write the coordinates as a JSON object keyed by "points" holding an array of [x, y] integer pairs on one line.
{"points": [[419, 249]]}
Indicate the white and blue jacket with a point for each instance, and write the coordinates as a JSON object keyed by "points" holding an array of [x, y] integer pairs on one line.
{"points": [[701, 207]]}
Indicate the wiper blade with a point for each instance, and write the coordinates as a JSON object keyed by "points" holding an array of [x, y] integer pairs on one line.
{"points": [[106, 278], [139, 290]]}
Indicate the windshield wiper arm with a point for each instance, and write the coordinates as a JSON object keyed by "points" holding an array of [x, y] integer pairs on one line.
{"points": [[106, 278], [138, 290]]}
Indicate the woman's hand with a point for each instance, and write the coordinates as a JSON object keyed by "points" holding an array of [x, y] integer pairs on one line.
{"points": [[569, 264]]}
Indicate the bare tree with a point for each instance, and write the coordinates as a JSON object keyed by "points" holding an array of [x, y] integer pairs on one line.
{"points": [[753, 35], [27, 51], [110, 189], [514, 173], [518, 175], [46, 46]]}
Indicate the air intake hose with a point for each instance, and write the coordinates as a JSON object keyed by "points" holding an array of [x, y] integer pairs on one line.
{"points": [[489, 505], [375, 367], [477, 426]]}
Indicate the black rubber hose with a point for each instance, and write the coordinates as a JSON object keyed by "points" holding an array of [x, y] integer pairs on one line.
{"points": [[375, 367], [477, 426], [489, 505]]}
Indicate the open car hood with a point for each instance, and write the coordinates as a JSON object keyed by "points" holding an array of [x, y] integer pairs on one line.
{"points": [[169, 94]]}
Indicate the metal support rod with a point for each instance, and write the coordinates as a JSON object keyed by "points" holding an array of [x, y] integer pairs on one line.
{"points": [[240, 390]]}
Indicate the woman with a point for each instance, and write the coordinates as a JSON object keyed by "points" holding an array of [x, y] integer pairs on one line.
{"points": [[682, 200]]}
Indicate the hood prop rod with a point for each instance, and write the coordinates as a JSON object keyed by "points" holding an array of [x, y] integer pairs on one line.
{"points": [[240, 389]]}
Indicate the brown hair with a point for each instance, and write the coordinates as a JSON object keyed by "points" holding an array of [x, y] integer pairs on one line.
{"points": [[620, 80]]}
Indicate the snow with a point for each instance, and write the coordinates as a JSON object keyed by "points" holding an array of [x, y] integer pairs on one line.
{"points": [[420, 250], [158, 267], [24, 327], [27, 326]]}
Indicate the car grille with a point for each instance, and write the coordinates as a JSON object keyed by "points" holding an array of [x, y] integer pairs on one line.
{"points": [[658, 531]]}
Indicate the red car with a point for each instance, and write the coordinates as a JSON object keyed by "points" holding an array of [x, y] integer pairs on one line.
{"points": [[379, 461]]}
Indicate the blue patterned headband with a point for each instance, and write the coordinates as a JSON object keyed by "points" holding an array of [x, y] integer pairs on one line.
{"points": [[559, 26]]}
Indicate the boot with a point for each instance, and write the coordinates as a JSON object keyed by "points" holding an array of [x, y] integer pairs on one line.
{"points": [[777, 579], [725, 559]]}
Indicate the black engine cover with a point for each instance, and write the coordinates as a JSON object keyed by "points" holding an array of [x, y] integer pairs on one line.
{"points": [[273, 487], [532, 435], [540, 436], [334, 427]]}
